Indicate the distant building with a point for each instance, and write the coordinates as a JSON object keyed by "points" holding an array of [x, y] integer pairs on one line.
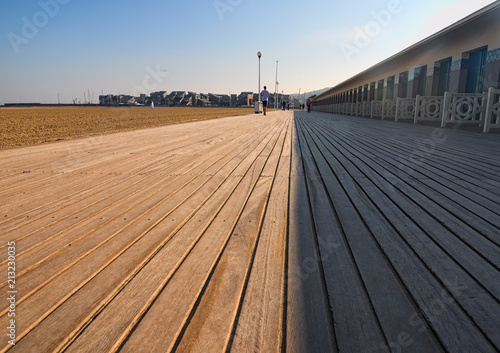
{"points": [[142, 99], [106, 99], [245, 98], [127, 100], [175, 97], [186, 98], [214, 99], [158, 98]]}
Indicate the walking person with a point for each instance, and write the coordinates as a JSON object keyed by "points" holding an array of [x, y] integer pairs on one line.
{"points": [[265, 96], [309, 104]]}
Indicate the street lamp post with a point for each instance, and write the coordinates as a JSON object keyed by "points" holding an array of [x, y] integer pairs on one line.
{"points": [[277, 103], [257, 104], [276, 87]]}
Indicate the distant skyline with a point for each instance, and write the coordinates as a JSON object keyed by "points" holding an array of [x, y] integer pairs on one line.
{"points": [[67, 47]]}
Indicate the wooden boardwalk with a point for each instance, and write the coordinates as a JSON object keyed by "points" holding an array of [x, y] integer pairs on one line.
{"points": [[294, 232]]}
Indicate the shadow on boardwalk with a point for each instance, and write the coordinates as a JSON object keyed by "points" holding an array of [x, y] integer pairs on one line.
{"points": [[405, 222]]}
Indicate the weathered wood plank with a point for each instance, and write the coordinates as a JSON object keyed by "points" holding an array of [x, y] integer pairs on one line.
{"points": [[259, 323], [308, 320], [347, 294]]}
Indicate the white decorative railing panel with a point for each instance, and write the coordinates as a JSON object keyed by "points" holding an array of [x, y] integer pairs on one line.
{"points": [[463, 108], [405, 108], [376, 111], [492, 115], [349, 109], [389, 109], [367, 109], [428, 109], [359, 109]]}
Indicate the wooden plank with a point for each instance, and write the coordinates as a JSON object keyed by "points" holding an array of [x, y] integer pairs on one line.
{"points": [[347, 294], [259, 322], [308, 325]]}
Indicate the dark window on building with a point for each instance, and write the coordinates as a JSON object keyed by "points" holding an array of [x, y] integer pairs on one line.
{"points": [[444, 69], [365, 93], [360, 94], [422, 78], [419, 80], [403, 85], [389, 94], [372, 91], [380, 90], [475, 71]]}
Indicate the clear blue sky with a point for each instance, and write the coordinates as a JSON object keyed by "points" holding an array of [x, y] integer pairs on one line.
{"points": [[71, 46]]}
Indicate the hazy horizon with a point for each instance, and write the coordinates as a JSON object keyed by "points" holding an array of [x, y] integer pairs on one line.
{"points": [[66, 47]]}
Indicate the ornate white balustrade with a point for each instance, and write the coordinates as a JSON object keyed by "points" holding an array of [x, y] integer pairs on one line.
{"points": [[428, 109], [359, 109], [405, 108], [463, 108], [376, 109], [389, 109], [367, 106], [454, 108], [492, 115], [351, 109]]}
